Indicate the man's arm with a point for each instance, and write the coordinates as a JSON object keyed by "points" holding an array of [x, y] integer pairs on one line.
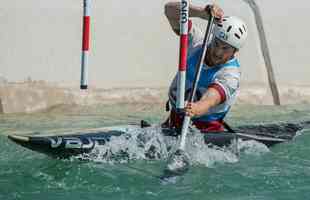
{"points": [[224, 88], [211, 98], [172, 12]]}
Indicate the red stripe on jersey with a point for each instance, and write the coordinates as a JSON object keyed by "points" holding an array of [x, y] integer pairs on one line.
{"points": [[220, 90], [190, 24]]}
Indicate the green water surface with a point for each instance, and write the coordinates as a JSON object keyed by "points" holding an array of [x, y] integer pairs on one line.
{"points": [[283, 173]]}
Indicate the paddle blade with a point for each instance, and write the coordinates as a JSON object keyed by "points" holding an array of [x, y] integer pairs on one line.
{"points": [[178, 164]]}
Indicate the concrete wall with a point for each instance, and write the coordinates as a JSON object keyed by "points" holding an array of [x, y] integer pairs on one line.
{"points": [[132, 44], [36, 96]]}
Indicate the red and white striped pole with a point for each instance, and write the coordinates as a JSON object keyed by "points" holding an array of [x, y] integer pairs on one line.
{"points": [[85, 45], [184, 16]]}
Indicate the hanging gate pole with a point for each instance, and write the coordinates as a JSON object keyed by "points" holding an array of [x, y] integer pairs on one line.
{"points": [[184, 16], [85, 45]]}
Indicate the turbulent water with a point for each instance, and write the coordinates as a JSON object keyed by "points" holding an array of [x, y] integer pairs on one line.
{"points": [[282, 172]]}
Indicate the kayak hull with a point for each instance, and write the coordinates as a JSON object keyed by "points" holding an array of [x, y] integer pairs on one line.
{"points": [[83, 142]]}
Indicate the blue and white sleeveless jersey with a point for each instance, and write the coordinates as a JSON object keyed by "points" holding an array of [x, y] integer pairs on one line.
{"points": [[225, 76]]}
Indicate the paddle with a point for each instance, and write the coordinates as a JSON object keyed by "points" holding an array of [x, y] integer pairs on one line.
{"points": [[228, 127], [178, 162]]}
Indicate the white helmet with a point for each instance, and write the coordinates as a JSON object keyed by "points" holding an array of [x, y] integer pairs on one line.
{"points": [[232, 30]]}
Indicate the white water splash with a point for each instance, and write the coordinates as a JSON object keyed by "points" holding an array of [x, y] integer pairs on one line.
{"points": [[151, 144], [252, 147], [135, 144], [202, 154]]}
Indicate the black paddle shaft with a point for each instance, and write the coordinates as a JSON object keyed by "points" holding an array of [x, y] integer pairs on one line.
{"points": [[202, 56]]}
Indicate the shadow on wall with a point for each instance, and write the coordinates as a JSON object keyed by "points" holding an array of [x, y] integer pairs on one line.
{"points": [[1, 107]]}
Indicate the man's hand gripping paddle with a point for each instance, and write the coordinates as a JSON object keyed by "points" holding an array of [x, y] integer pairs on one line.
{"points": [[178, 162]]}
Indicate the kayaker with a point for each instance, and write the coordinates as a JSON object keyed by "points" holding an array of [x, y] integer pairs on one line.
{"points": [[220, 77]]}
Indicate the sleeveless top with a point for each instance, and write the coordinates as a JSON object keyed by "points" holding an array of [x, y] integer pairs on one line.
{"points": [[226, 76]]}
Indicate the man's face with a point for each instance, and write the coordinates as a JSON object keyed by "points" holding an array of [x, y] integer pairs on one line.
{"points": [[219, 52]]}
